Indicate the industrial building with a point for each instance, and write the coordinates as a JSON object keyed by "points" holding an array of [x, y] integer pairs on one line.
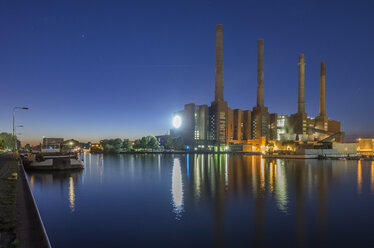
{"points": [[218, 126]]}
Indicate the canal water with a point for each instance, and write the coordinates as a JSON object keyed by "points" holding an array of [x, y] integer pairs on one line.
{"points": [[208, 201]]}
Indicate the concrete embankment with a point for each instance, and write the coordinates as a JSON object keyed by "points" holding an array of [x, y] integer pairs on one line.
{"points": [[30, 228], [20, 222]]}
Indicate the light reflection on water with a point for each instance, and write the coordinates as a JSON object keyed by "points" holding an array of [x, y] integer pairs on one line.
{"points": [[217, 199], [71, 194], [280, 187], [177, 188], [359, 177], [372, 177]]}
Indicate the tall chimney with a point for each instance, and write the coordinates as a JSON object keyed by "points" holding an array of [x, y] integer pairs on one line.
{"points": [[301, 99], [260, 73], [322, 96], [219, 64]]}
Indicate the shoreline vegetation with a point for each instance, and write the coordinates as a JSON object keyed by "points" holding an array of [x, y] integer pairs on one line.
{"points": [[147, 144]]}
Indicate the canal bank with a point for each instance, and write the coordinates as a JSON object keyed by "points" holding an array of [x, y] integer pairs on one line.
{"points": [[20, 221], [8, 213]]}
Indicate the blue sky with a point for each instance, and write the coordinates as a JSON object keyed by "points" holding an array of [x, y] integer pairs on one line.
{"points": [[102, 69]]}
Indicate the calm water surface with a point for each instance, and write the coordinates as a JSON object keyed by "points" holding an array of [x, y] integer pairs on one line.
{"points": [[208, 201]]}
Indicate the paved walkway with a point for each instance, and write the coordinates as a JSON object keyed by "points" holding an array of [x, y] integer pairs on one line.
{"points": [[8, 213]]}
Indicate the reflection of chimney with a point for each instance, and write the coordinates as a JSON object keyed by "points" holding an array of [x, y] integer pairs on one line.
{"points": [[219, 64], [260, 73], [301, 99], [322, 96]]}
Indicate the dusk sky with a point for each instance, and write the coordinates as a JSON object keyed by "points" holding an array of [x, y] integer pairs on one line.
{"points": [[102, 69]]}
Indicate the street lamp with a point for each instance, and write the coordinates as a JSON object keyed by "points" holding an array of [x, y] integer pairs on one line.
{"points": [[14, 127]]}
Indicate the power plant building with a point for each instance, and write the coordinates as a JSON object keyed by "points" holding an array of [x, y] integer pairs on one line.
{"points": [[219, 126]]}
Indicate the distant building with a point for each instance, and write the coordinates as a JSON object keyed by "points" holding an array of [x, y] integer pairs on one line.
{"points": [[162, 139], [365, 146], [52, 144]]}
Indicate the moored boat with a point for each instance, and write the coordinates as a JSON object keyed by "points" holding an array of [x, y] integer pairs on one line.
{"points": [[51, 162]]}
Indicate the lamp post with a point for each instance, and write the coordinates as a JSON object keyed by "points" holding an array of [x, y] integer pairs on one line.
{"points": [[14, 127]]}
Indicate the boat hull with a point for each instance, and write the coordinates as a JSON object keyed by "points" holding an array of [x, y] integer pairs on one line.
{"points": [[56, 163]]}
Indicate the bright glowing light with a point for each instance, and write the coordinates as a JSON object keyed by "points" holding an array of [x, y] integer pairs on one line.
{"points": [[263, 149], [177, 121], [177, 188]]}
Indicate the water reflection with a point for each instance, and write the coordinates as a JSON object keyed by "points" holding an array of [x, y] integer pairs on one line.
{"points": [[65, 181], [240, 200], [372, 177], [359, 177], [204, 177], [71, 194], [281, 187], [177, 188], [228, 176]]}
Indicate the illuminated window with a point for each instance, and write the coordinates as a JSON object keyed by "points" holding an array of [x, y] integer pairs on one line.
{"points": [[280, 122]]}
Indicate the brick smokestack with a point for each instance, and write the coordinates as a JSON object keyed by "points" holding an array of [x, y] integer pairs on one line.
{"points": [[219, 64], [301, 98], [322, 96], [260, 73]]}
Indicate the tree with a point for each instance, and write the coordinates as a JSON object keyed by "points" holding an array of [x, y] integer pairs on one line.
{"points": [[7, 141], [127, 145], [147, 142], [137, 144], [152, 142], [176, 143], [144, 142], [27, 147], [112, 145]]}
